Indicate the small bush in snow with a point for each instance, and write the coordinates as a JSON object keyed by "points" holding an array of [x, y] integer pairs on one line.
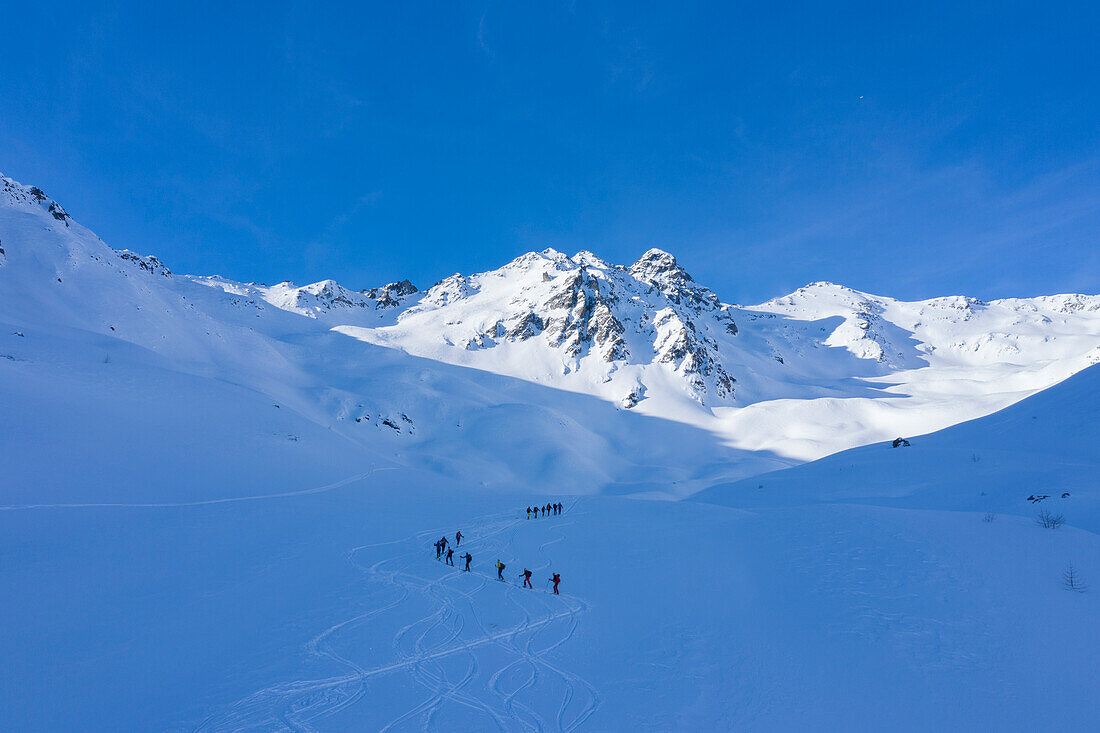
{"points": [[1048, 520], [989, 517], [1071, 579]]}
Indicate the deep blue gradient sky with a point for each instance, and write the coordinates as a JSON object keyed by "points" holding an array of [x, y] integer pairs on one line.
{"points": [[910, 151]]}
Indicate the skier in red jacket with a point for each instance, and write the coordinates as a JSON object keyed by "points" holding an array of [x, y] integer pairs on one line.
{"points": [[556, 579]]}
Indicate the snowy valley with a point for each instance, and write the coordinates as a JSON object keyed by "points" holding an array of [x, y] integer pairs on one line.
{"points": [[830, 365], [220, 498]]}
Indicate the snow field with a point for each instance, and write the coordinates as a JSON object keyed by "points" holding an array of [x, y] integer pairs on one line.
{"points": [[328, 611]]}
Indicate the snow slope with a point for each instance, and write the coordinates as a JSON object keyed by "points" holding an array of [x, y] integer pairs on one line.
{"points": [[75, 312], [326, 610], [218, 506], [1044, 445]]}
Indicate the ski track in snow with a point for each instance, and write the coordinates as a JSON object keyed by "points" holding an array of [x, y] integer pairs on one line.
{"points": [[440, 651], [203, 502]]}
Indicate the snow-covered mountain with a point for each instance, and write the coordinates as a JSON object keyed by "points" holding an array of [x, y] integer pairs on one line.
{"points": [[218, 500], [576, 322], [75, 312], [625, 332], [816, 371], [325, 300], [820, 370]]}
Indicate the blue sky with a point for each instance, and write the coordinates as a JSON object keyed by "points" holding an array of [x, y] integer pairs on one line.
{"points": [[909, 151]]}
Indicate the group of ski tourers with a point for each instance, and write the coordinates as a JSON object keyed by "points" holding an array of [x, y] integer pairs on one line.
{"points": [[548, 509], [442, 550], [447, 554]]}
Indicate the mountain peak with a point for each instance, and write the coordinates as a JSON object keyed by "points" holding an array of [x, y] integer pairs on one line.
{"points": [[28, 197], [655, 260], [391, 294], [658, 267], [584, 258], [660, 270]]}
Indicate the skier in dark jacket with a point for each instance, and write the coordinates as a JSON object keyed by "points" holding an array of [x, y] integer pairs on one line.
{"points": [[500, 570], [451, 556], [528, 512], [526, 578], [458, 538], [467, 557], [556, 579], [438, 549]]}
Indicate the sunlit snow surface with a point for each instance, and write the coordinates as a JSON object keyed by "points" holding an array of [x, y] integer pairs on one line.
{"points": [[217, 512]]}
